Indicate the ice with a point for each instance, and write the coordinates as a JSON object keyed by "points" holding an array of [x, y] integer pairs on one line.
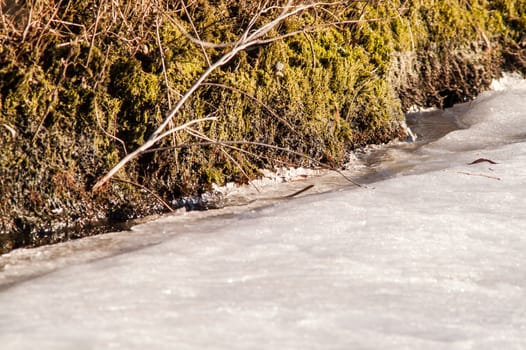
{"points": [[434, 258]]}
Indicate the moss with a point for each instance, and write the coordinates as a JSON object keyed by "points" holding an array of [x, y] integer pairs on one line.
{"points": [[79, 100], [138, 92]]}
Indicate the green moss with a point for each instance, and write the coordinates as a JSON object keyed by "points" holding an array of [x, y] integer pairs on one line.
{"points": [[138, 92], [512, 14], [79, 102]]}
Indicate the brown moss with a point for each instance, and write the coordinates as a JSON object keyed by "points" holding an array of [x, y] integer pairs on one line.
{"points": [[84, 85]]}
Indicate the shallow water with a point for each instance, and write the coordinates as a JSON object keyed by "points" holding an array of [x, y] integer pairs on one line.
{"points": [[367, 166], [386, 161]]}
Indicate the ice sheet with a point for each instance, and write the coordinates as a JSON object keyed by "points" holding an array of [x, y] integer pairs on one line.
{"points": [[434, 259]]}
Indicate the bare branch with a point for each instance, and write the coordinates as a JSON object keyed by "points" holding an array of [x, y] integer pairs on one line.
{"points": [[97, 19], [163, 64], [196, 32], [260, 32], [249, 38], [142, 148], [481, 175]]}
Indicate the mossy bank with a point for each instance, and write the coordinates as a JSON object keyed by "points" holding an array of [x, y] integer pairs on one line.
{"points": [[83, 83]]}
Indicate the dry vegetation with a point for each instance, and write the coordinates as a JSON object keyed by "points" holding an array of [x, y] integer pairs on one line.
{"points": [[151, 100]]}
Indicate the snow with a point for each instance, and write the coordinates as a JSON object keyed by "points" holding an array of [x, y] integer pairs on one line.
{"points": [[433, 257]]}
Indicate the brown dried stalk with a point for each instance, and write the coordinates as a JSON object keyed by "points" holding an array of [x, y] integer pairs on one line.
{"points": [[251, 37]]}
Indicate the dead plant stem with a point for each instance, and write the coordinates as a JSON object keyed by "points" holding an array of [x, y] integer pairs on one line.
{"points": [[249, 38]]}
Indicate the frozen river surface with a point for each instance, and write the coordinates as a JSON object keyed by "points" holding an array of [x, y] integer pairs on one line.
{"points": [[434, 258]]}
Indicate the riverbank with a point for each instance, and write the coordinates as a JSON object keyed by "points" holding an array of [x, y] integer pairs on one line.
{"points": [[83, 85]]}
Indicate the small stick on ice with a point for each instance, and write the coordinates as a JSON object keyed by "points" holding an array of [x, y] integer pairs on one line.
{"points": [[483, 175], [481, 160]]}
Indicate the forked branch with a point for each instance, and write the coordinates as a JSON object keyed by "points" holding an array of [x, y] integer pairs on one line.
{"points": [[251, 37]]}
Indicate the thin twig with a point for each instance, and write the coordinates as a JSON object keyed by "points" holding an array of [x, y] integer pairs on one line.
{"points": [[92, 44], [285, 14], [163, 64], [54, 97], [197, 134], [29, 23], [147, 190], [143, 148], [10, 129], [45, 30], [261, 103], [254, 143], [482, 175], [165, 74], [196, 33], [96, 105]]}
